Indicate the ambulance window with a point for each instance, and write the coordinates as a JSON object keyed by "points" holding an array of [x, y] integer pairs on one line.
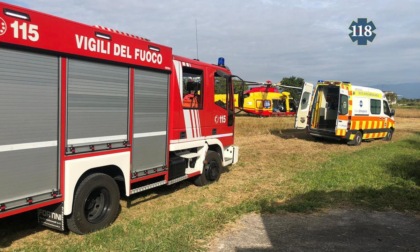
{"points": [[386, 109], [375, 107], [305, 100], [220, 91], [344, 105], [192, 91]]}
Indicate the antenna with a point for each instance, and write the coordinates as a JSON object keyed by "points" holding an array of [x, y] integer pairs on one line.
{"points": [[196, 36]]}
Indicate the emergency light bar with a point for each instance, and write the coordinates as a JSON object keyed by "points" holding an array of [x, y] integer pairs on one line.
{"points": [[102, 35], [330, 82], [154, 48], [16, 14]]}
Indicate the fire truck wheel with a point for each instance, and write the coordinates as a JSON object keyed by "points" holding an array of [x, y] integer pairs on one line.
{"points": [[96, 204], [357, 140], [212, 169], [388, 136]]}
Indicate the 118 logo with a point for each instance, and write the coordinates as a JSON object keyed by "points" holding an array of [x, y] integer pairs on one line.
{"points": [[362, 31]]}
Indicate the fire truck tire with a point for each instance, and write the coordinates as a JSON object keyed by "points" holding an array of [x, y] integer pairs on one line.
{"points": [[357, 140], [96, 204], [212, 169], [389, 135]]}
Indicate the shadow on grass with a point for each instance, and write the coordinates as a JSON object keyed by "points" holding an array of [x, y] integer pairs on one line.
{"points": [[291, 133], [401, 193], [157, 192], [413, 143], [406, 169], [346, 224], [338, 229], [302, 135], [17, 227], [392, 197]]}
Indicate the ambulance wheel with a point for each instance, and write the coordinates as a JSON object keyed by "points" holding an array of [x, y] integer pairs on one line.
{"points": [[211, 170], [389, 135], [96, 204], [357, 140]]}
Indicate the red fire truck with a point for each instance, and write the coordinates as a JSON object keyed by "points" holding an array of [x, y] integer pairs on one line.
{"points": [[89, 114]]}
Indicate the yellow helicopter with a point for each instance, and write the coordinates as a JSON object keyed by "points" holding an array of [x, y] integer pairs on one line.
{"points": [[264, 100]]}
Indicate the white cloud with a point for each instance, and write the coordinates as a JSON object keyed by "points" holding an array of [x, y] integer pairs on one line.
{"points": [[269, 39]]}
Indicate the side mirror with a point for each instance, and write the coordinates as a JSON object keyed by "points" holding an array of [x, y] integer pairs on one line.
{"points": [[392, 112]]}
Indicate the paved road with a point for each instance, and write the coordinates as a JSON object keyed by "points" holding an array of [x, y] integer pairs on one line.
{"points": [[332, 230]]}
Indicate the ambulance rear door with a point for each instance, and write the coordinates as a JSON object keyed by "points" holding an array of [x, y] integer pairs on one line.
{"points": [[301, 119]]}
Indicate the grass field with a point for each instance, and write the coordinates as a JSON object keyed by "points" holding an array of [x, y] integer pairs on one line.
{"points": [[280, 169]]}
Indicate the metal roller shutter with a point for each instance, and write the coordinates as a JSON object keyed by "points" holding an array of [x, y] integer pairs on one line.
{"points": [[97, 103], [150, 120], [28, 126]]}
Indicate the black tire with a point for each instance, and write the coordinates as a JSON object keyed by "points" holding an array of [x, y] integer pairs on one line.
{"points": [[211, 171], [96, 204], [357, 140], [389, 135]]}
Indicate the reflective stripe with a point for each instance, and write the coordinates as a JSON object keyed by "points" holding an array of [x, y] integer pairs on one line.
{"points": [[27, 146], [202, 138], [149, 134], [89, 140]]}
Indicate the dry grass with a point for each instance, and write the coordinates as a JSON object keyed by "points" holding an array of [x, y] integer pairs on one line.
{"points": [[407, 113], [271, 152]]}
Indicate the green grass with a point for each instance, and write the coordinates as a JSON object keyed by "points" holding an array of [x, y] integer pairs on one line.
{"points": [[378, 176], [382, 177]]}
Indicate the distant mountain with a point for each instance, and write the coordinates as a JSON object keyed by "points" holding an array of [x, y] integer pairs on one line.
{"points": [[403, 90]]}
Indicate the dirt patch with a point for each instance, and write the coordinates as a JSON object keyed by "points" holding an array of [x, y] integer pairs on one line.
{"points": [[330, 230]]}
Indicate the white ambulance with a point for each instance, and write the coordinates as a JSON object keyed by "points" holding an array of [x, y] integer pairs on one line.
{"points": [[342, 111]]}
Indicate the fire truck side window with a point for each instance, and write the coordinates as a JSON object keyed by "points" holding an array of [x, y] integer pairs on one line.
{"points": [[192, 91], [220, 91]]}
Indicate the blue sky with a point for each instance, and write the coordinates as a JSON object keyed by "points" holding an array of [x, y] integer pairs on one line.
{"points": [[269, 39]]}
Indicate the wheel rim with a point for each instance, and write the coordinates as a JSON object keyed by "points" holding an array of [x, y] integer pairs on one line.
{"points": [[358, 138], [97, 205], [212, 170]]}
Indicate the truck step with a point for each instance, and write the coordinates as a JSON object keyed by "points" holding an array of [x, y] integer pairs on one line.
{"points": [[147, 187], [189, 155], [173, 181]]}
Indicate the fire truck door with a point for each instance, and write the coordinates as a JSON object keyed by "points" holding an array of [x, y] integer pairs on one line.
{"points": [[150, 120]]}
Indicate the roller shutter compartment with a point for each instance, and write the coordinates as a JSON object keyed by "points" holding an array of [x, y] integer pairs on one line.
{"points": [[150, 120], [97, 105], [28, 127]]}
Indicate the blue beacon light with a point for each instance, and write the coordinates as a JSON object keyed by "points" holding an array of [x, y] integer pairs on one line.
{"points": [[221, 61]]}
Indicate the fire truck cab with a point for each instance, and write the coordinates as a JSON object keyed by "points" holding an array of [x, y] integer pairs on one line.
{"points": [[89, 113]]}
